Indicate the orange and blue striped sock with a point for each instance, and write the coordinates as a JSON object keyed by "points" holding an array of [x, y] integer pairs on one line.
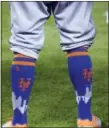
{"points": [[22, 77], [80, 71]]}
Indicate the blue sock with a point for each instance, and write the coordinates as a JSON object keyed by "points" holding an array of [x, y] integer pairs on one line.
{"points": [[22, 76], [80, 71]]}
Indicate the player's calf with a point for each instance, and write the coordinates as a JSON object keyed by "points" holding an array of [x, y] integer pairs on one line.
{"points": [[22, 78], [80, 71]]}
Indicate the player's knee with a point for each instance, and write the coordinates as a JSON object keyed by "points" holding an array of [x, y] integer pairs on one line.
{"points": [[80, 51], [82, 48], [22, 56], [21, 61]]}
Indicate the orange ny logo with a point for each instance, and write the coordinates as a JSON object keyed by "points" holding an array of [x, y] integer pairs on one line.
{"points": [[87, 73], [24, 83]]}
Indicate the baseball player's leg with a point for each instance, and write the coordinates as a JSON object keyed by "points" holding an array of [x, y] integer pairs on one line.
{"points": [[77, 32], [27, 20]]}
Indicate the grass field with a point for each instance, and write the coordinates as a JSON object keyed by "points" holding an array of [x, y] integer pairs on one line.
{"points": [[52, 101]]}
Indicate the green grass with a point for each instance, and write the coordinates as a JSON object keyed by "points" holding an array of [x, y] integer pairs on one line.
{"points": [[52, 101]]}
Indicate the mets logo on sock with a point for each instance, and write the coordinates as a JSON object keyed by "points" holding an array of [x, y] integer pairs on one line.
{"points": [[24, 83], [87, 73]]}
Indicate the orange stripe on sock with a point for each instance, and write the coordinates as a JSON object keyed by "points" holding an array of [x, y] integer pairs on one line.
{"points": [[23, 63], [21, 56], [77, 54]]}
